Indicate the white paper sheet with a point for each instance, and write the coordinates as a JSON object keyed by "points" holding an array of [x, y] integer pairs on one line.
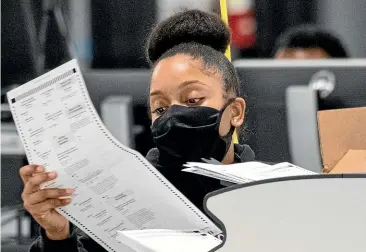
{"points": [[215, 175], [116, 188], [169, 240], [246, 172]]}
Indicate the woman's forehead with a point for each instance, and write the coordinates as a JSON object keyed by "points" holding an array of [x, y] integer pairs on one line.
{"points": [[179, 69]]}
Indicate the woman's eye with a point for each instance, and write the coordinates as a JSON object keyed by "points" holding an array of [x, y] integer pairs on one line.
{"points": [[160, 111], [193, 101]]}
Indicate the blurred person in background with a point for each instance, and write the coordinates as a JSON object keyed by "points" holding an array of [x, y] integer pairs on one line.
{"points": [[195, 106], [308, 42]]}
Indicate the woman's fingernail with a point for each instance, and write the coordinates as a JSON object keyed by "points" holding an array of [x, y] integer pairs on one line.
{"points": [[66, 201], [69, 191], [52, 174]]}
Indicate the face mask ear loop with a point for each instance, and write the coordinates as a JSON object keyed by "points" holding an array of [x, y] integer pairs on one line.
{"points": [[231, 100], [232, 128], [228, 137]]}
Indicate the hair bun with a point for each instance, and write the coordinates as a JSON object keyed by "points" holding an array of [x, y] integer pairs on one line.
{"points": [[188, 26]]}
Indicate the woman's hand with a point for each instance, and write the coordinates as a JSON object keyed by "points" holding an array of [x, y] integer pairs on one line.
{"points": [[41, 204]]}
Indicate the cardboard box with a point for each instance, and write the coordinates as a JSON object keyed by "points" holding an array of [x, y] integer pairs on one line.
{"points": [[342, 136]]}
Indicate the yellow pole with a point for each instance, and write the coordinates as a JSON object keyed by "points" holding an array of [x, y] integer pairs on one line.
{"points": [[224, 17]]}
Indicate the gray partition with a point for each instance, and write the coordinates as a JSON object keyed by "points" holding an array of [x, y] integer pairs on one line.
{"points": [[310, 213]]}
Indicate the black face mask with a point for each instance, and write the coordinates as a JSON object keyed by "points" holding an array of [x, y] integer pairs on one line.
{"points": [[188, 134]]}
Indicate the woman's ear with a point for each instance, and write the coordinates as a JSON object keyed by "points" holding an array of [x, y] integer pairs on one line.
{"points": [[238, 112]]}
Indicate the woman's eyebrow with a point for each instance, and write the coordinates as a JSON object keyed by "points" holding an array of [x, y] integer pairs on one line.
{"points": [[181, 86], [190, 82], [155, 93]]}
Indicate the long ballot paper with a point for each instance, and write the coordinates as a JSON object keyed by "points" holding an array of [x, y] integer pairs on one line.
{"points": [[115, 188]]}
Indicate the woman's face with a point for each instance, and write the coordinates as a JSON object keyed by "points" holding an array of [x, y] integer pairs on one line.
{"points": [[302, 53], [179, 80]]}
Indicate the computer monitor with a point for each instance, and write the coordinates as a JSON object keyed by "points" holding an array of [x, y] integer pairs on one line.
{"points": [[264, 84], [134, 83], [104, 83]]}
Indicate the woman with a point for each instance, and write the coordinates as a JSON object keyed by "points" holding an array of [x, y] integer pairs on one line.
{"points": [[195, 107]]}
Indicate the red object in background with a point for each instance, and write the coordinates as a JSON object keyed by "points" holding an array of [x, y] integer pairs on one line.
{"points": [[242, 23]]}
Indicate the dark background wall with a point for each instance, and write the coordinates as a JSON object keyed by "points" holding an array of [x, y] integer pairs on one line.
{"points": [[119, 29], [273, 17]]}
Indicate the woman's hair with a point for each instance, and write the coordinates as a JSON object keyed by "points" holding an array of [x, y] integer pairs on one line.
{"points": [[201, 35], [308, 36]]}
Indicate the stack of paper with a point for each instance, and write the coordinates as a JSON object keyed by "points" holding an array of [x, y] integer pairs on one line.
{"points": [[164, 240], [246, 172]]}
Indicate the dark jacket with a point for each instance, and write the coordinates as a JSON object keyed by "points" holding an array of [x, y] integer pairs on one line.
{"points": [[194, 187]]}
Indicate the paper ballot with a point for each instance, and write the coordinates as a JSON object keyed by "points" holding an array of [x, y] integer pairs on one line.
{"points": [[246, 172], [115, 188], [169, 240]]}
